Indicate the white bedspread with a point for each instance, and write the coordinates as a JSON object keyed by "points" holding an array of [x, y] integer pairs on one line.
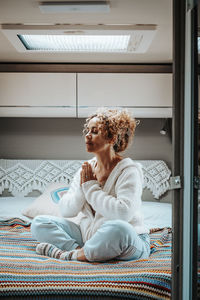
{"points": [[156, 214], [11, 207]]}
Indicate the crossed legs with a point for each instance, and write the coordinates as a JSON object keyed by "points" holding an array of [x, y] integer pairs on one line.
{"points": [[62, 239]]}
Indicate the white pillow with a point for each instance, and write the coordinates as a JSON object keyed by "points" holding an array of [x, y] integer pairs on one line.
{"points": [[47, 203], [157, 214]]}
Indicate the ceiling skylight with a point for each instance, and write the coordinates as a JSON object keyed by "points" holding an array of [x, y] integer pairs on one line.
{"points": [[74, 43], [80, 38]]}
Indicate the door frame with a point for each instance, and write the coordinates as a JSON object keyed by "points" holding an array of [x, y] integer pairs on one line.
{"points": [[185, 149]]}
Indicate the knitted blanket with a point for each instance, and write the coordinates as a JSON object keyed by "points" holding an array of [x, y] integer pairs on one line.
{"points": [[24, 273]]}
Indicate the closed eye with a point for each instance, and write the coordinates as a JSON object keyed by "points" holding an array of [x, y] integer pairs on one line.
{"points": [[93, 130]]}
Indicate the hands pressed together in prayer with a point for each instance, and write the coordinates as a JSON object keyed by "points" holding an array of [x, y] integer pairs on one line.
{"points": [[87, 173]]}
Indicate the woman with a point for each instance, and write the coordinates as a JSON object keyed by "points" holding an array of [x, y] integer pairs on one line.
{"points": [[107, 190]]}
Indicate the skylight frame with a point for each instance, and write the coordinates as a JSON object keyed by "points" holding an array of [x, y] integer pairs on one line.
{"points": [[147, 31]]}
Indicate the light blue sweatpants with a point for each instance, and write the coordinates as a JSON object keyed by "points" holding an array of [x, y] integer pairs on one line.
{"points": [[115, 239]]}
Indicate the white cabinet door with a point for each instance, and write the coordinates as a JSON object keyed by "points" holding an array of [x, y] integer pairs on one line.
{"points": [[38, 94], [146, 92]]}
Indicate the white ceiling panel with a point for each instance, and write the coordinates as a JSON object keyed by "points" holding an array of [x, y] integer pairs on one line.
{"points": [[122, 12]]}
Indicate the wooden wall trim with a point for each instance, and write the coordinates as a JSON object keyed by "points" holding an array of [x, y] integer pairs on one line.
{"points": [[85, 68]]}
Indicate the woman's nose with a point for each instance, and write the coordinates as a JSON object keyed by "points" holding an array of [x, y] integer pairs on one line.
{"points": [[88, 135]]}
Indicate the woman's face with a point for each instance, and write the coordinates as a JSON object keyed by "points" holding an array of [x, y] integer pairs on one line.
{"points": [[94, 140]]}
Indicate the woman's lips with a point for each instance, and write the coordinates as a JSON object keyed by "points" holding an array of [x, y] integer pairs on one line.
{"points": [[89, 144]]}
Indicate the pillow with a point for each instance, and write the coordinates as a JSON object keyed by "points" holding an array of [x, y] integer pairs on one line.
{"points": [[157, 214], [47, 203]]}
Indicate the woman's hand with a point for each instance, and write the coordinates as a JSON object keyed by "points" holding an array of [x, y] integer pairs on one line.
{"points": [[87, 173]]}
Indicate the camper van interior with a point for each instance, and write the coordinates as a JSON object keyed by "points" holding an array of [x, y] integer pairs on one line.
{"points": [[59, 62]]}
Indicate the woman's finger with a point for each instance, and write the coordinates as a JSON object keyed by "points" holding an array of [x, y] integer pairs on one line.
{"points": [[81, 177]]}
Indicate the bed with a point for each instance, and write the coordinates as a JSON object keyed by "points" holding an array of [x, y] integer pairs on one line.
{"points": [[25, 274]]}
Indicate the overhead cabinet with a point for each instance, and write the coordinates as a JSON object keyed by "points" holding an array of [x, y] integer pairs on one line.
{"points": [[38, 94], [79, 94], [148, 95]]}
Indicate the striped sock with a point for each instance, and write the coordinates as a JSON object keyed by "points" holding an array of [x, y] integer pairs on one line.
{"points": [[54, 252], [48, 250], [69, 255]]}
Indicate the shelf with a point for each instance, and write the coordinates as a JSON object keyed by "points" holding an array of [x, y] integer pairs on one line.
{"points": [[138, 112], [38, 112]]}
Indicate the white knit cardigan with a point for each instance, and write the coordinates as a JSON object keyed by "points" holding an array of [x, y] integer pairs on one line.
{"points": [[119, 198]]}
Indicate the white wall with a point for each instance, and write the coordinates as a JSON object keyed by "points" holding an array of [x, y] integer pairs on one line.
{"points": [[59, 138]]}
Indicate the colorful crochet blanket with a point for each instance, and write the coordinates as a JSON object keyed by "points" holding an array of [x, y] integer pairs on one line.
{"points": [[24, 273]]}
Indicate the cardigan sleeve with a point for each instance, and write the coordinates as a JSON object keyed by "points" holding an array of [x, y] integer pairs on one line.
{"points": [[73, 201], [128, 189]]}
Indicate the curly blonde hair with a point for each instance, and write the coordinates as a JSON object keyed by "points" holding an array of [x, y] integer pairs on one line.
{"points": [[117, 125]]}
